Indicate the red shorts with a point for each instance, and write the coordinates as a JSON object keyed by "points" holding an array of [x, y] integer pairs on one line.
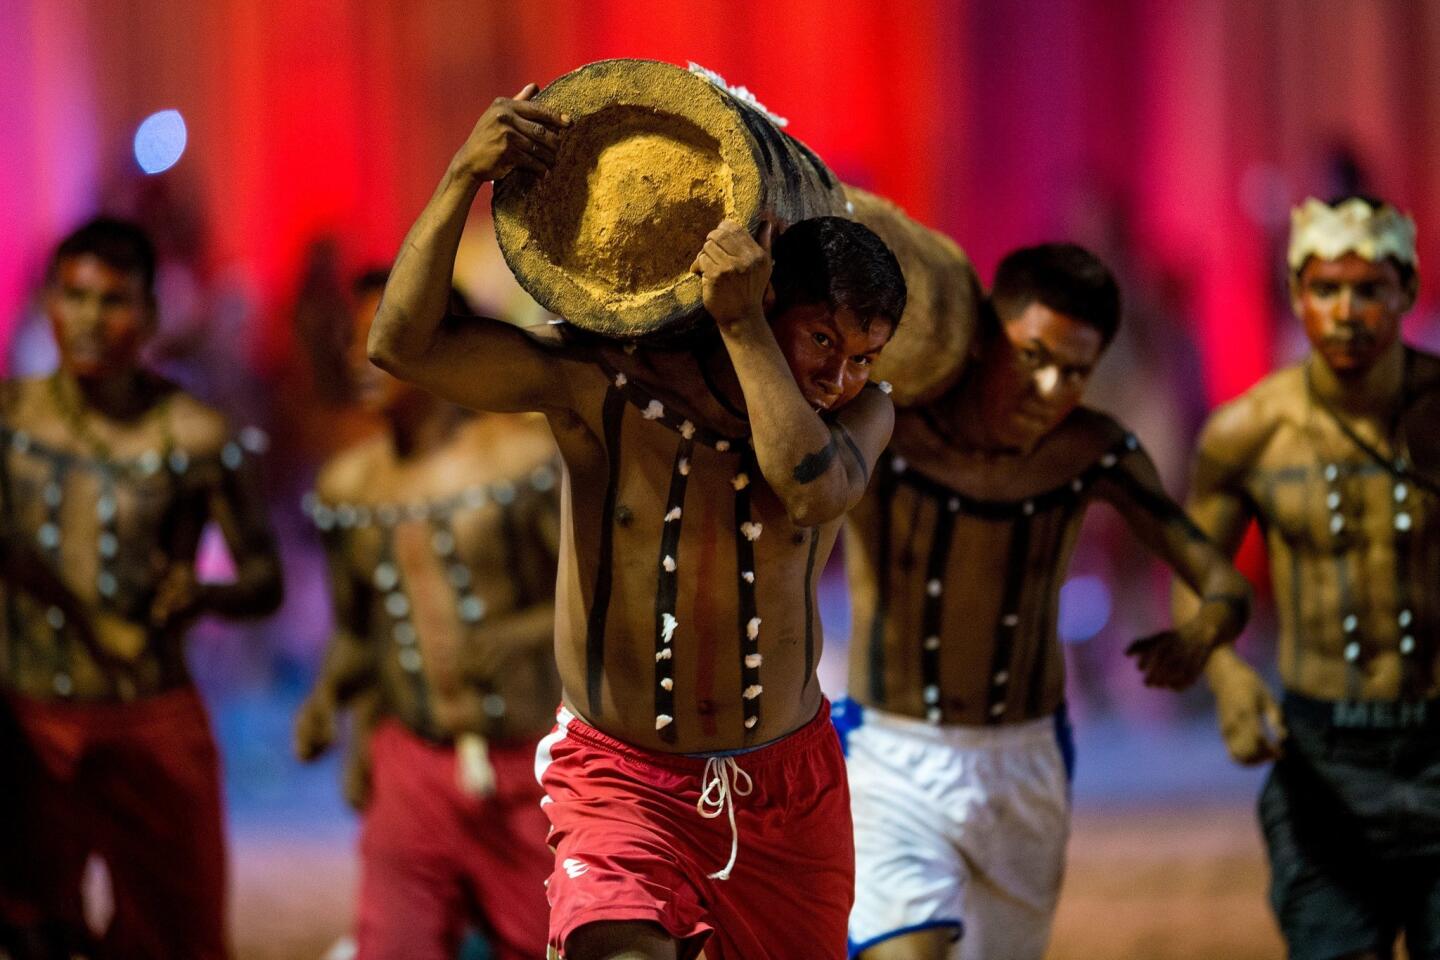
{"points": [[139, 785], [630, 844], [433, 858]]}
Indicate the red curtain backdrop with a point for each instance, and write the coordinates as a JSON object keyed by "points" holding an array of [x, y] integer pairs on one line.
{"points": [[1194, 121]]}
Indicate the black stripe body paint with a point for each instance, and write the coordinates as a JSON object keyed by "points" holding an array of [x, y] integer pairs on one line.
{"points": [[613, 412]]}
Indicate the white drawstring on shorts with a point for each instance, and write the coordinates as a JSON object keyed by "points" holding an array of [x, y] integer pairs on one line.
{"points": [[719, 786]]}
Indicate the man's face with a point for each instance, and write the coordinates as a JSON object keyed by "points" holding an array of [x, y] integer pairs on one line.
{"points": [[829, 353], [1351, 308], [100, 316], [375, 391], [1034, 373]]}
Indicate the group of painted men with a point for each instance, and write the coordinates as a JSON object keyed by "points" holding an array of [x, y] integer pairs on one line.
{"points": [[691, 796]]}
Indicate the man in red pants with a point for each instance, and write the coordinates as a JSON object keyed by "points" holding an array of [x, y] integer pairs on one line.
{"points": [[441, 534], [108, 474], [704, 486]]}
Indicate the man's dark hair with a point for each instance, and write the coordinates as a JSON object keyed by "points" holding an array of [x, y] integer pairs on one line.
{"points": [[1064, 277], [841, 264], [119, 244], [368, 281]]}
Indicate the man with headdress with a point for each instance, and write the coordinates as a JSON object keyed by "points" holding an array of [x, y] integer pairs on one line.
{"points": [[958, 746], [441, 537], [694, 785], [1336, 457], [108, 475]]}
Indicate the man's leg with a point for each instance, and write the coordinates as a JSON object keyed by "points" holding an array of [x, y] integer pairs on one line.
{"points": [[44, 841], [411, 848], [407, 910], [506, 859], [161, 833], [932, 944], [1014, 845], [620, 940], [909, 878], [1327, 895], [1422, 913]]}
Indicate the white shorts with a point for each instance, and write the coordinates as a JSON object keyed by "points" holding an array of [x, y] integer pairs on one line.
{"points": [[957, 827]]}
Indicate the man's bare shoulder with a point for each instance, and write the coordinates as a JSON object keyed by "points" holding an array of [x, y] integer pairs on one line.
{"points": [[1422, 413], [1238, 432], [344, 477], [871, 404], [22, 396], [1082, 438], [1240, 428], [198, 428], [523, 441]]}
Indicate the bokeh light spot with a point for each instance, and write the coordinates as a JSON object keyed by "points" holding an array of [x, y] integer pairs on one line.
{"points": [[1084, 608], [160, 140]]}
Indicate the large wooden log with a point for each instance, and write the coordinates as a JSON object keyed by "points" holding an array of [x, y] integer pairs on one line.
{"points": [[927, 354], [655, 157]]}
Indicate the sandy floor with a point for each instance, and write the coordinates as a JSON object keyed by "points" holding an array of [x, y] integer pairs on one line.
{"points": [[1166, 886], [1150, 885]]}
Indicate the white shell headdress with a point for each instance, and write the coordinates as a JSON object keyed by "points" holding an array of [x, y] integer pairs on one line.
{"points": [[1320, 230]]}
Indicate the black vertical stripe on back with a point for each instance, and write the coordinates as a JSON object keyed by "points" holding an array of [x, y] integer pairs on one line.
{"points": [[884, 502], [745, 589], [1048, 636], [1017, 566], [666, 589], [935, 566], [810, 607], [612, 415]]}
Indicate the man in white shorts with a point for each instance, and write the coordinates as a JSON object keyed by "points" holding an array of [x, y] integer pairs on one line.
{"points": [[957, 744]]}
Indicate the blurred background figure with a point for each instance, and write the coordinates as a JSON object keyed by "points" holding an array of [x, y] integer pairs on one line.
{"points": [[108, 475], [441, 537]]}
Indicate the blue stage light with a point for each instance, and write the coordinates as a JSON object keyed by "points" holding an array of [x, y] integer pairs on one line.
{"points": [[160, 140]]}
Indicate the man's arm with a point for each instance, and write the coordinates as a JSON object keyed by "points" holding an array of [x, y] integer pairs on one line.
{"points": [[818, 469], [477, 362], [1250, 719], [350, 665], [1176, 657]]}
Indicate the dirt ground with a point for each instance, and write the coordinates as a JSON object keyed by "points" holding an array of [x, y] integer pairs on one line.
{"points": [[1142, 885]]}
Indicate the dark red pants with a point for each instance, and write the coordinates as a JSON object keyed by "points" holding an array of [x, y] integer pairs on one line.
{"points": [[630, 844], [434, 858], [137, 784]]}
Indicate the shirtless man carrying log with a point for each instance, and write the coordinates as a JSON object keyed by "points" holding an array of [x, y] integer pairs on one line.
{"points": [[958, 746], [108, 474], [1338, 458], [694, 785]]}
